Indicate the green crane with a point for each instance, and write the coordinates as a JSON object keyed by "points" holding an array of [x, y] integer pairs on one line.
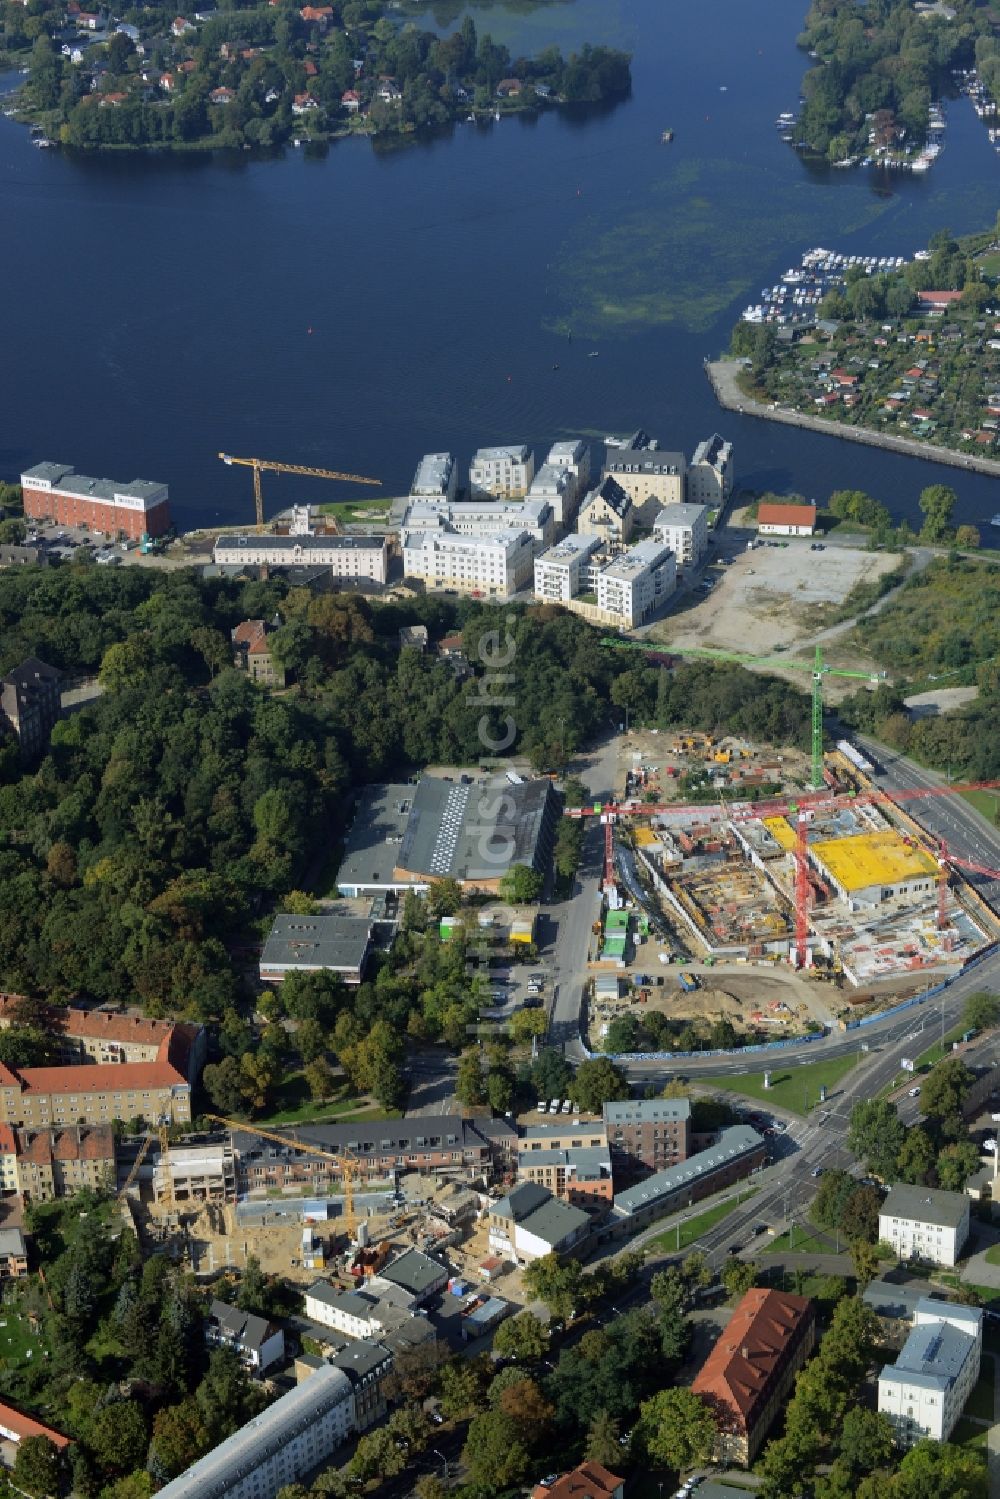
{"points": [[817, 667]]}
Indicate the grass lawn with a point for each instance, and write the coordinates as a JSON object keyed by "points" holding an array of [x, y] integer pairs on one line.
{"points": [[993, 1255], [969, 1434], [798, 1241], [692, 1228], [794, 1088], [16, 1338], [986, 802], [980, 1402], [293, 1104], [343, 510], [930, 1058]]}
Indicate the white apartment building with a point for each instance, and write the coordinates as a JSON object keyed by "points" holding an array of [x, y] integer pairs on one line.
{"points": [[294, 1435], [436, 477], [504, 472], [346, 556], [489, 566], [571, 460], [636, 584], [482, 518], [653, 479], [562, 572], [925, 1223], [925, 1391], [684, 529], [710, 475]]}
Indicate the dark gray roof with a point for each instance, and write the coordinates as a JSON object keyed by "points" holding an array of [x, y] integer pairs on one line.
{"points": [[376, 835], [477, 830], [887, 1300], [739, 1140], [925, 1205], [521, 1202], [933, 1355], [251, 543], [62, 477], [414, 1272], [610, 491], [375, 1137], [645, 461], [247, 1328], [554, 1222], [328, 940], [359, 1358]]}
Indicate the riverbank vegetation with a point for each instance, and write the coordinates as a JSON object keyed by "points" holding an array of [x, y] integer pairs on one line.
{"points": [[256, 76], [879, 66], [913, 353]]}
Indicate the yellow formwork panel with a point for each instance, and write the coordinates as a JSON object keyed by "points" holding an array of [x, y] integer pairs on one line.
{"points": [[781, 831], [873, 859], [645, 837]]}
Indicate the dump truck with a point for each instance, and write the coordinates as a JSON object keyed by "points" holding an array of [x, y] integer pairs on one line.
{"points": [[688, 982]]}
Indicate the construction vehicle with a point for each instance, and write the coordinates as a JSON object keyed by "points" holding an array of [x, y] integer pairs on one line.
{"points": [[266, 465], [345, 1161], [688, 982]]}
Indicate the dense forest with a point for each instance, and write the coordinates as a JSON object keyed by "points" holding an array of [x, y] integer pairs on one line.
{"points": [[184, 801], [882, 60], [252, 75]]}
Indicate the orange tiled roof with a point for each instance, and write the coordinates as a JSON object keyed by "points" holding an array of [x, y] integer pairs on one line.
{"points": [[128, 1077], [739, 1372], [786, 515], [24, 1426], [588, 1481]]}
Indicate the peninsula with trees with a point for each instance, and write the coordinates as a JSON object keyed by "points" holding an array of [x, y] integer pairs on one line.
{"points": [[254, 77]]}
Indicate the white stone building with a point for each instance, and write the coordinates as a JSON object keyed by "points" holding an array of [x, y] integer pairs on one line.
{"points": [[684, 529], [925, 1391], [294, 1435], [481, 518], [925, 1223], [710, 474], [652, 478], [636, 584], [489, 566], [435, 478], [504, 472], [608, 512], [563, 478], [562, 572], [346, 556], [529, 1223]]}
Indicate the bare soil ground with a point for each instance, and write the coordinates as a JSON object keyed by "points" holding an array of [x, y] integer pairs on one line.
{"points": [[762, 601]]}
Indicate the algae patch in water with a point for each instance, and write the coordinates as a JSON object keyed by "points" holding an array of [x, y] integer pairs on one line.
{"points": [[701, 238]]}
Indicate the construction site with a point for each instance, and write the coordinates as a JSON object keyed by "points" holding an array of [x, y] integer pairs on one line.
{"points": [[839, 883]]}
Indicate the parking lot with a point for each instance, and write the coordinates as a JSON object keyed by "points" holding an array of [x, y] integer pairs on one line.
{"points": [[67, 542]]}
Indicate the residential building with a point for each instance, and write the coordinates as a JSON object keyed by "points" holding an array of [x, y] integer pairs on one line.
{"points": [[652, 478], [327, 942], [607, 512], [294, 1435], [252, 653], [55, 1163], [13, 1254], [367, 1366], [201, 1172], [478, 1147], [110, 1037], [530, 1222], [752, 1368], [710, 474], [354, 557], [684, 529], [924, 1392], [30, 704], [555, 486], [12, 555], [636, 585], [786, 520], [42, 1097], [257, 1342], [580, 1176], [737, 1153], [652, 1133], [435, 477], [9, 1181], [417, 1274], [895, 1307], [588, 1481], [571, 1133], [925, 1223], [561, 572], [573, 456], [15, 1427], [372, 1313], [505, 471], [483, 566], [405, 836], [53, 492], [486, 518], [415, 637]]}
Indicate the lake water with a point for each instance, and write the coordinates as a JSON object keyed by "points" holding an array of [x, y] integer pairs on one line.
{"points": [[357, 310]]}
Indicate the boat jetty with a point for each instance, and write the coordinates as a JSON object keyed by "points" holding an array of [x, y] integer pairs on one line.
{"points": [[793, 301]]}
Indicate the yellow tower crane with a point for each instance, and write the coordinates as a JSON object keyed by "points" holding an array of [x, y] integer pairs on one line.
{"points": [[265, 465], [345, 1160]]}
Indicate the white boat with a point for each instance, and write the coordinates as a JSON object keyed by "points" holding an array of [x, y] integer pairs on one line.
{"points": [[996, 520]]}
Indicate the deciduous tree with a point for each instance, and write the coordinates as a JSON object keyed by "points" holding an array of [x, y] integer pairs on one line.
{"points": [[677, 1429]]}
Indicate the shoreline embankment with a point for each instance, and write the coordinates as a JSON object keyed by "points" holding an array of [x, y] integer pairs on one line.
{"points": [[722, 378]]}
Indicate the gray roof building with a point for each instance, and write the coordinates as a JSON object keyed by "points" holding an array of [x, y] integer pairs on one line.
{"points": [[254, 1449], [306, 944], [555, 1222], [733, 1145], [934, 1353], [416, 1273], [521, 1202], [648, 1111], [371, 852], [891, 1302], [925, 1205]]}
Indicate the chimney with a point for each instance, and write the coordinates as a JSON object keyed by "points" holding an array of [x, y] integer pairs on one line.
{"points": [[745, 1351]]}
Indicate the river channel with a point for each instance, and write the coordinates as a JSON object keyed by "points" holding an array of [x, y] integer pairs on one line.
{"points": [[358, 309]]}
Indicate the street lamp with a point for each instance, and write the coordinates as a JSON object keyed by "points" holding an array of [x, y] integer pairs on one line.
{"points": [[444, 1461]]}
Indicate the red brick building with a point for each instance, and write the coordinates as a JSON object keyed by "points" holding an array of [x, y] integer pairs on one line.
{"points": [[53, 492], [752, 1367]]}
